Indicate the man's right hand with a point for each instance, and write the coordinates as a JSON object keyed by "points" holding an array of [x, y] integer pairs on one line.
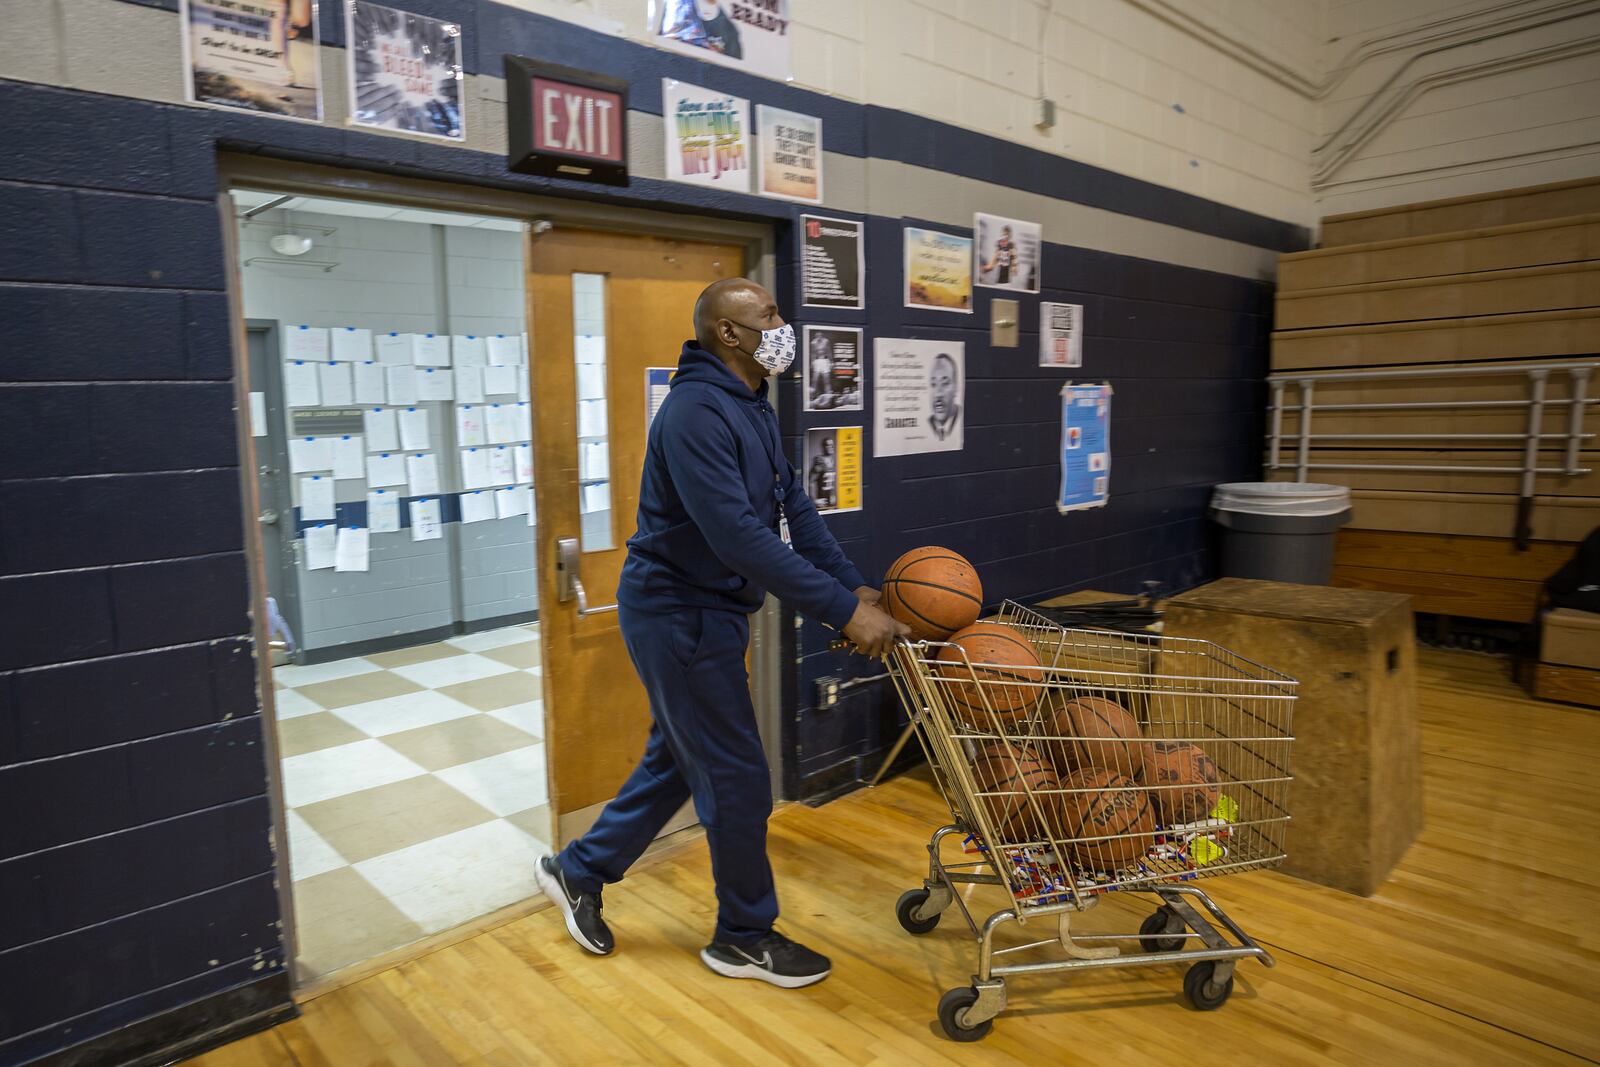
{"points": [[873, 630]]}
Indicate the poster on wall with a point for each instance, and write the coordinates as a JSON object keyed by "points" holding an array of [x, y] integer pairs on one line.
{"points": [[833, 368], [750, 35], [708, 136], [1060, 335], [791, 155], [405, 71], [1006, 253], [938, 270], [833, 268], [657, 380], [919, 396], [833, 468], [1085, 446], [253, 55]]}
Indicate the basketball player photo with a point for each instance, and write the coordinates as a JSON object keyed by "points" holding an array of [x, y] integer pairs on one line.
{"points": [[832, 468], [1005, 253], [833, 368]]}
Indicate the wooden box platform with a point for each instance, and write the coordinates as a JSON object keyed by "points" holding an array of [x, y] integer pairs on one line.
{"points": [[1356, 801]]}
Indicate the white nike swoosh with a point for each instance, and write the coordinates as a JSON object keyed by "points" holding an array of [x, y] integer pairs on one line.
{"points": [[764, 961]]}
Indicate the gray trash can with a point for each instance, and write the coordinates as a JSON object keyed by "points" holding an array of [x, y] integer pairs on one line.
{"points": [[1279, 531]]}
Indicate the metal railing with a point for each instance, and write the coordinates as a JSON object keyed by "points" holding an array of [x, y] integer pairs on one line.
{"points": [[1532, 436]]}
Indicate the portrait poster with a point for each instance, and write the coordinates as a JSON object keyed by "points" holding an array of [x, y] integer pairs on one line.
{"points": [[918, 396], [791, 155], [405, 71], [749, 35], [833, 368], [938, 270], [708, 136], [1060, 335], [833, 468], [253, 55], [1085, 446], [1006, 253], [833, 269]]}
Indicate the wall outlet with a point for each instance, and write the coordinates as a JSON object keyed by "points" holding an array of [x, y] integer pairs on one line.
{"points": [[827, 692]]}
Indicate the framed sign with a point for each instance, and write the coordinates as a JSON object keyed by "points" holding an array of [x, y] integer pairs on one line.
{"points": [[566, 123]]}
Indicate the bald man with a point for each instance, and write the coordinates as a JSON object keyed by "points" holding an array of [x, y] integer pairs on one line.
{"points": [[723, 518]]}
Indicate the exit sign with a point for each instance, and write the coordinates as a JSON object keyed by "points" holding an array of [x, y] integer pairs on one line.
{"points": [[566, 123]]}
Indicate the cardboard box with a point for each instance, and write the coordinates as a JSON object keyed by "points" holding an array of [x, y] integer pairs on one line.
{"points": [[1571, 638]]}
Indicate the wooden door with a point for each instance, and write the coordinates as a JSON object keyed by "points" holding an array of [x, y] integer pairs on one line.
{"points": [[604, 308]]}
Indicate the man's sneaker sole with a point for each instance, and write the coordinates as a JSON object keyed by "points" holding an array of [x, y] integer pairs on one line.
{"points": [[756, 971], [552, 889]]}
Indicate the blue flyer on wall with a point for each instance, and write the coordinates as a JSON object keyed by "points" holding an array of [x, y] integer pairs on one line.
{"points": [[1085, 446]]}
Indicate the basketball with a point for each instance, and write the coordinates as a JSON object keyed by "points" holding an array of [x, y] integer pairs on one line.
{"points": [[1011, 769], [999, 647], [1190, 778], [1100, 733], [934, 591], [1121, 806]]}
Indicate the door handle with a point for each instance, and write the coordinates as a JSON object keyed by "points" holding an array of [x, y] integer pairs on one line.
{"points": [[267, 517], [569, 582]]}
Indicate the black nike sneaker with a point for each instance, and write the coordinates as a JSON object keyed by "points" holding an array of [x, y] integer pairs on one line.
{"points": [[582, 910], [773, 959]]}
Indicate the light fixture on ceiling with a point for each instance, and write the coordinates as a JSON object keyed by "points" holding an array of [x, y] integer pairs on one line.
{"points": [[290, 244]]}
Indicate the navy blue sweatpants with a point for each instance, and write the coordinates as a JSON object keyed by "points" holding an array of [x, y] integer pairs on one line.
{"points": [[703, 743]]}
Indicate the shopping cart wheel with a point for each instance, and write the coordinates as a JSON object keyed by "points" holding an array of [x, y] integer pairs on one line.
{"points": [[1202, 989], [951, 1007], [1164, 920], [910, 901]]}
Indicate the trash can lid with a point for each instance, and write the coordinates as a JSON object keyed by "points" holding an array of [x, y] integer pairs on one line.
{"points": [[1281, 498]]}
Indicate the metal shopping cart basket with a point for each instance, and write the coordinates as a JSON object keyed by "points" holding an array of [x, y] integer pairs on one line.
{"points": [[1055, 798]]}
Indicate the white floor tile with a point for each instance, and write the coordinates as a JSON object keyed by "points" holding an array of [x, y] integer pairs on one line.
{"points": [[405, 712], [480, 642], [448, 880], [334, 772], [450, 670], [529, 717], [505, 784], [292, 676], [309, 854], [291, 704]]}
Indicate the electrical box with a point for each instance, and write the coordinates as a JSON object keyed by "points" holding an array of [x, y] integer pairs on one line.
{"points": [[1003, 323]]}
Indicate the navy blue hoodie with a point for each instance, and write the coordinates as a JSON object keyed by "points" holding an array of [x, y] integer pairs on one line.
{"points": [[714, 470]]}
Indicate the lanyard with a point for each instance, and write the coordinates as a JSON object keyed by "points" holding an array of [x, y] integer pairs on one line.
{"points": [[762, 427]]}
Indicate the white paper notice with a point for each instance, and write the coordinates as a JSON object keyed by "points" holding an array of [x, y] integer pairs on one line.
{"points": [[470, 351], [513, 501], [380, 429], [532, 506], [333, 379], [394, 349], [475, 507], [258, 414], [587, 348], [591, 381], [596, 498], [309, 343], [431, 350], [474, 468], [369, 383], [524, 422], [383, 511], [386, 468], [425, 525], [422, 474], [469, 385], [316, 498], [469, 425], [433, 383], [501, 423], [350, 551], [524, 388], [402, 384], [594, 461], [300, 384], [524, 463], [414, 429], [351, 345], [499, 381], [308, 454], [349, 457], [592, 418], [319, 547], [502, 468], [504, 351]]}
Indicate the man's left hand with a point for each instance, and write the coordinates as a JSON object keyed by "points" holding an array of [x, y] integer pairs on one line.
{"points": [[868, 595]]}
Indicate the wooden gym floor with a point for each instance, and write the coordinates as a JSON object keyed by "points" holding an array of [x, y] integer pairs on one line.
{"points": [[1482, 948]]}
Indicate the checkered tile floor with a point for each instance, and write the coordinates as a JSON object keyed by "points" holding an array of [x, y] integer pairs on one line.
{"points": [[415, 783]]}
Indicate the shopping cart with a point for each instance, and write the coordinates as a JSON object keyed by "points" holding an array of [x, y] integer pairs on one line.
{"points": [[1046, 840]]}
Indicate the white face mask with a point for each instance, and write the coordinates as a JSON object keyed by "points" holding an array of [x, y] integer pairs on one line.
{"points": [[776, 350]]}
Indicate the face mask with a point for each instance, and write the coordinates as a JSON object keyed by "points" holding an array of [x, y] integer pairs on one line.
{"points": [[776, 350]]}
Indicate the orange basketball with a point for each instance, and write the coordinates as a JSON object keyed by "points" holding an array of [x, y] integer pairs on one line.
{"points": [[1182, 780], [934, 591], [1098, 733], [998, 647], [1117, 805], [1009, 770]]}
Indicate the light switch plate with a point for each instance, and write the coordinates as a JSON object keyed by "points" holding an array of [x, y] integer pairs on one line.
{"points": [[1003, 323]]}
